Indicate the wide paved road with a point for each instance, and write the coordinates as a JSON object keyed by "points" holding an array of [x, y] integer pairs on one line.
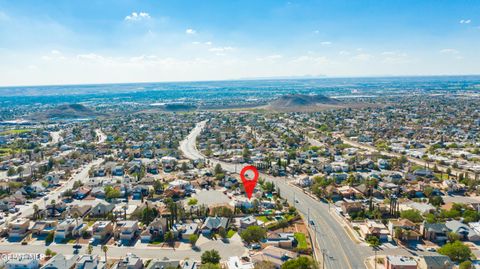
{"points": [[27, 210], [341, 251]]}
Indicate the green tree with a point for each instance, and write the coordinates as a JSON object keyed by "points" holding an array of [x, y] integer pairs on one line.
{"points": [[452, 237], [465, 265], [192, 201], [218, 169], [50, 253], [222, 232], [299, 263], [282, 224], [193, 239], [105, 250], [373, 241], [11, 171], [436, 201], [457, 251], [210, 256], [169, 237], [49, 238], [253, 234], [184, 167], [412, 215]]}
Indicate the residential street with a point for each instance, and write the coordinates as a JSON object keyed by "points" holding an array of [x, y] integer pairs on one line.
{"points": [[341, 252], [234, 248], [53, 195]]}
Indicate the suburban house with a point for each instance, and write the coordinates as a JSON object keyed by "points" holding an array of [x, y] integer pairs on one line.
{"points": [[248, 221], [102, 209], [18, 229], [102, 230], [163, 263], [281, 240], [435, 262], [68, 228], [407, 228], [183, 231], [275, 255], [126, 231], [44, 227], [462, 230], [131, 261], [154, 230], [400, 262], [236, 263], [435, 232], [89, 262], [79, 211], [22, 262], [60, 261], [373, 228], [212, 224]]}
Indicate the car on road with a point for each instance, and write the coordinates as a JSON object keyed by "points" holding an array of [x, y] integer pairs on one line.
{"points": [[255, 246], [312, 223]]}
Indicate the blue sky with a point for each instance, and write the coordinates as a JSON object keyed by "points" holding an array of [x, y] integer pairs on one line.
{"points": [[58, 42]]}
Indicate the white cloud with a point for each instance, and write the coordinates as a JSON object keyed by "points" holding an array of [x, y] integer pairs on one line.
{"points": [[190, 31], [316, 32], [326, 43], [449, 51], [221, 49], [344, 52], [55, 52], [467, 21], [90, 57], [363, 57], [311, 59], [395, 57], [270, 58], [137, 16]]}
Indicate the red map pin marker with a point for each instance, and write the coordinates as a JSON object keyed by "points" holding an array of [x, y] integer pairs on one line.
{"points": [[249, 184]]}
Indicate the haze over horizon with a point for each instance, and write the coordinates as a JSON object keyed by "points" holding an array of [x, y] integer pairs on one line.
{"points": [[58, 42]]}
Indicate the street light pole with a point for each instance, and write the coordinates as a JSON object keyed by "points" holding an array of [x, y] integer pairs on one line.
{"points": [[308, 215]]}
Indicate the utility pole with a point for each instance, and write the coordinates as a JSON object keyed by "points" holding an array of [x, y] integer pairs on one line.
{"points": [[323, 258]]}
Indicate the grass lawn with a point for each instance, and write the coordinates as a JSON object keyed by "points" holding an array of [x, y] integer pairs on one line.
{"points": [[440, 176], [231, 233], [263, 218], [157, 242], [16, 131], [301, 239]]}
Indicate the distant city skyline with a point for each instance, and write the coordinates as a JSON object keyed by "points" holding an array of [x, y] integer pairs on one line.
{"points": [[70, 42]]}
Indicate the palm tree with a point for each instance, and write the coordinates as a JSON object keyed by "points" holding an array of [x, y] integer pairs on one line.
{"points": [[105, 249], [53, 203], [89, 249], [35, 211]]}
